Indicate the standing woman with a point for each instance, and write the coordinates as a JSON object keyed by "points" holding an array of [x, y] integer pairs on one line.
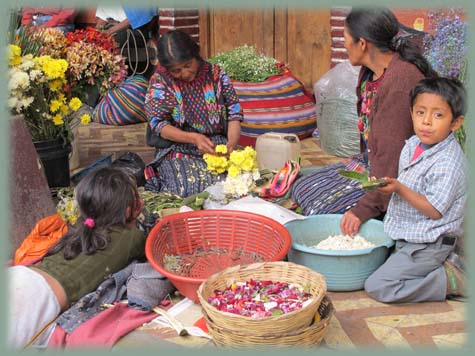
{"points": [[191, 107], [391, 65]]}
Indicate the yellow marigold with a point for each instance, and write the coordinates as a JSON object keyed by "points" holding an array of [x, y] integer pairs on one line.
{"points": [[53, 68], [237, 157], [64, 109], [75, 104], [85, 119], [221, 149], [58, 120], [14, 55], [249, 164], [214, 163], [250, 152], [56, 85], [54, 105], [234, 171]]}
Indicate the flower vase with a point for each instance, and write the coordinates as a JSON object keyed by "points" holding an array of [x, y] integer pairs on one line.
{"points": [[92, 95], [54, 155]]}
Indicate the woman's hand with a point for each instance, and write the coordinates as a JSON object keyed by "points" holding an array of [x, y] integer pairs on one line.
{"points": [[350, 223], [204, 144]]}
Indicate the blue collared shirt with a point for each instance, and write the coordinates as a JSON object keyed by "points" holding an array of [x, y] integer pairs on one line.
{"points": [[440, 174]]}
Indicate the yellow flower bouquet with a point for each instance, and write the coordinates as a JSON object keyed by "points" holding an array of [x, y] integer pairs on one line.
{"points": [[38, 90], [240, 166]]}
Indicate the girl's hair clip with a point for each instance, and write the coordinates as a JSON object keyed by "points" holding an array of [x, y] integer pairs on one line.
{"points": [[89, 222]]}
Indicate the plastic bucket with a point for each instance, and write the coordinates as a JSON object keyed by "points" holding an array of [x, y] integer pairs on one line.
{"points": [[54, 156]]}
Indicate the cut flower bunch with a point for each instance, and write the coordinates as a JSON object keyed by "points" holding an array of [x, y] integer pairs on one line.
{"points": [[246, 65], [240, 166], [94, 61], [38, 90]]}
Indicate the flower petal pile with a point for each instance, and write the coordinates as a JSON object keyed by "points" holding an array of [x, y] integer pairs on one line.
{"points": [[258, 299]]}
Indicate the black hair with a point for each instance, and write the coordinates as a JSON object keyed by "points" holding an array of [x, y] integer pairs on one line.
{"points": [[450, 89], [380, 26], [103, 195], [176, 47]]}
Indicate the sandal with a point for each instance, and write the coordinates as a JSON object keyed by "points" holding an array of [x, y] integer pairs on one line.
{"points": [[282, 181]]}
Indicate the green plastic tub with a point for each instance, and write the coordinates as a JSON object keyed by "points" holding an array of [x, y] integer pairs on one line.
{"points": [[344, 270]]}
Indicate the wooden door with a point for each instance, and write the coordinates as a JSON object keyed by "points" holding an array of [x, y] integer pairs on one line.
{"points": [[297, 37]]}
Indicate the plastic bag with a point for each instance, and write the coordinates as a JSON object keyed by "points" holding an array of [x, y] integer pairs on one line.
{"points": [[335, 95], [133, 163]]}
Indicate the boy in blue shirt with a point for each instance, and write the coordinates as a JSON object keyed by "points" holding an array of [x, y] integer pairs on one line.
{"points": [[426, 210]]}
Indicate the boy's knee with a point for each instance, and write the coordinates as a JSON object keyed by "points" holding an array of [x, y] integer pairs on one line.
{"points": [[375, 288]]}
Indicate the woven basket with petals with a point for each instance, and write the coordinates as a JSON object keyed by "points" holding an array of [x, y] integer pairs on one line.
{"points": [[308, 337], [312, 282]]}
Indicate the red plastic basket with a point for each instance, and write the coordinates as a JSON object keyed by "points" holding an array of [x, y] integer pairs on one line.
{"points": [[223, 238]]}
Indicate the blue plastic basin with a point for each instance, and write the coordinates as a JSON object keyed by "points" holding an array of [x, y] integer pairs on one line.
{"points": [[344, 270]]}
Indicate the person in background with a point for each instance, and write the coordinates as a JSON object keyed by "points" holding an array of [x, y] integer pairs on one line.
{"points": [[192, 104], [391, 65], [104, 240], [426, 211], [61, 18], [135, 31]]}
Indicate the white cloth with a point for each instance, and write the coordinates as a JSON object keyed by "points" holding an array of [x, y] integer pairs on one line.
{"points": [[116, 13], [260, 206], [32, 305]]}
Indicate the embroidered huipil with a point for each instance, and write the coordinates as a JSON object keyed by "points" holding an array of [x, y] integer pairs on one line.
{"points": [[204, 105], [440, 174], [368, 92]]}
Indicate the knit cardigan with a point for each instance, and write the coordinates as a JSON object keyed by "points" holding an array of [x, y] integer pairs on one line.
{"points": [[390, 126]]}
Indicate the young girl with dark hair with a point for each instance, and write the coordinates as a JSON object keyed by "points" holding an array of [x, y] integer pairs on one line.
{"points": [[104, 240], [192, 104], [391, 65]]}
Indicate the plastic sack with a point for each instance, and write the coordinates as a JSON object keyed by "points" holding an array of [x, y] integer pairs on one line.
{"points": [[335, 95], [134, 164]]}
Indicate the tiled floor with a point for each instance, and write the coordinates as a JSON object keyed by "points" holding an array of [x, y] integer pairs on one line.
{"points": [[358, 320]]}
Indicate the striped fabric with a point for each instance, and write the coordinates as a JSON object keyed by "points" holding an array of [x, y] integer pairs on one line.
{"points": [[327, 192], [124, 104], [279, 104]]}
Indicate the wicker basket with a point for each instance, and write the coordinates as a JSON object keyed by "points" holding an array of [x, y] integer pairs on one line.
{"points": [[307, 337], [280, 271]]}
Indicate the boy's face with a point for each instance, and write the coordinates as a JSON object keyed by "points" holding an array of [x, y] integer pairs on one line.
{"points": [[432, 118]]}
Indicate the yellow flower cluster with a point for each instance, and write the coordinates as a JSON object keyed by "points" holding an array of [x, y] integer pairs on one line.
{"points": [[37, 90], [239, 161], [67, 206]]}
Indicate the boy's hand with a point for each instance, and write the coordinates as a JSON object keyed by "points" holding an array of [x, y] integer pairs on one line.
{"points": [[392, 185]]}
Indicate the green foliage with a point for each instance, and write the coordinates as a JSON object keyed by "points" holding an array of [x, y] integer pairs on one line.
{"points": [[245, 64], [366, 183]]}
